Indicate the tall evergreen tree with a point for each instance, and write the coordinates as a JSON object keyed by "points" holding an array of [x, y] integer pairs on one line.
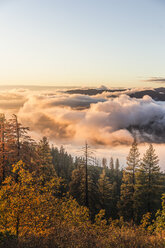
{"points": [[106, 194], [44, 152], [104, 163], [15, 144], [86, 160], [111, 164], [117, 164], [148, 184], [22, 146], [63, 163], [45, 165], [3, 147], [117, 177], [77, 187], [126, 203]]}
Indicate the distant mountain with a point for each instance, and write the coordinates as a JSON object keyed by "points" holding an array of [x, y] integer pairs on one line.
{"points": [[92, 92], [158, 94]]}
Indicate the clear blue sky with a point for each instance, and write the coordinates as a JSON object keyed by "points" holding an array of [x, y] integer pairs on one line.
{"points": [[82, 42]]}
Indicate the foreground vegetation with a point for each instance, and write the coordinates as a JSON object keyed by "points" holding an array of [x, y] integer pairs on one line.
{"points": [[49, 199], [80, 236]]}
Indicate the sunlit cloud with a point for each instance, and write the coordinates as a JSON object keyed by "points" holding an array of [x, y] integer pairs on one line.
{"points": [[100, 119]]}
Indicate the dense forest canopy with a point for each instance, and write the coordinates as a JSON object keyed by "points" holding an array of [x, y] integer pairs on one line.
{"points": [[49, 197]]}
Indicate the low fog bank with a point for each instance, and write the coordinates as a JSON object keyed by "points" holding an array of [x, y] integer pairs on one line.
{"points": [[72, 118], [108, 123]]}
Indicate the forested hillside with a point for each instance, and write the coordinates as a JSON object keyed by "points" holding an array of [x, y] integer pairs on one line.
{"points": [[50, 199]]}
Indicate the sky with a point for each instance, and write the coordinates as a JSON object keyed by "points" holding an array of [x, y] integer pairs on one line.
{"points": [[82, 42]]}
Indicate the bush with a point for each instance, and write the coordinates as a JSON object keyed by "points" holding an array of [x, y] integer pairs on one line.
{"points": [[7, 240]]}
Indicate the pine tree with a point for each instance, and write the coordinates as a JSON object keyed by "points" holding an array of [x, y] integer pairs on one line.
{"points": [[55, 159], [104, 163], [117, 176], [106, 194], [63, 163], [117, 164], [86, 190], [86, 159], [148, 184], [77, 187], [3, 143], [111, 165], [6, 147], [45, 165], [22, 146], [44, 152], [126, 204]]}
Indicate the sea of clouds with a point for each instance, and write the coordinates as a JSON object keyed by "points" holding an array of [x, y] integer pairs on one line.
{"points": [[104, 120], [100, 119]]}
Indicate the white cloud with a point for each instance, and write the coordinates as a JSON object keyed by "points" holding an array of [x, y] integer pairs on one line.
{"points": [[71, 119]]}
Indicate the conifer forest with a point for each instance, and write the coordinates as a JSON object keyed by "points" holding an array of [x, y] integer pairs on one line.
{"points": [[49, 198]]}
